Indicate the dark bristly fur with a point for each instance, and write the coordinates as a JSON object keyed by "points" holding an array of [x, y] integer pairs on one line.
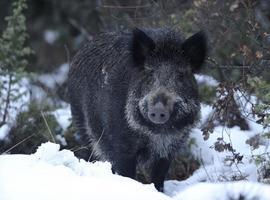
{"points": [[118, 83]]}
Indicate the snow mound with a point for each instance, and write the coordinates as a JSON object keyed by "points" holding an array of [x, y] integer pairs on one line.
{"points": [[53, 174], [225, 191]]}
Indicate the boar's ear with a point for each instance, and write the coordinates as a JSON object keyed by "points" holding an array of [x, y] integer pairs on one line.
{"points": [[141, 46], [194, 50]]}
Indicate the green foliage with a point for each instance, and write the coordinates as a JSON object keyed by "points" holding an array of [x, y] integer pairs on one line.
{"points": [[13, 52], [185, 21], [31, 129], [261, 89], [12, 49], [207, 93], [263, 164]]}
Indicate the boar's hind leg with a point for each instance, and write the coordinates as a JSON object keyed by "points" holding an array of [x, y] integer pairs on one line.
{"points": [[124, 166], [160, 168]]}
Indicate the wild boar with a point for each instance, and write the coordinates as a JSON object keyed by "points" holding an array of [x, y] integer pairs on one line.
{"points": [[135, 95]]}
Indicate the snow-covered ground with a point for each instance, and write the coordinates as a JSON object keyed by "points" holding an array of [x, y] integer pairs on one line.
{"points": [[56, 78], [28, 93], [53, 174], [19, 98]]}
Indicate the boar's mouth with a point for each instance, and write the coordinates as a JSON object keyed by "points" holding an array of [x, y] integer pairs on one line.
{"points": [[181, 117]]}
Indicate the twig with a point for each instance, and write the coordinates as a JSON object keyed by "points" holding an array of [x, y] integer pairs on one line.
{"points": [[68, 55], [49, 130], [204, 168], [7, 102], [126, 7], [95, 145], [75, 149], [134, 18], [83, 31], [18, 144]]}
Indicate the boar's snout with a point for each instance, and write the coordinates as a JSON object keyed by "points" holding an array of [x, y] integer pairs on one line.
{"points": [[158, 113]]}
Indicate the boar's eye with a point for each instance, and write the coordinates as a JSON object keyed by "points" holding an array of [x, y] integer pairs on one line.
{"points": [[194, 50], [141, 46]]}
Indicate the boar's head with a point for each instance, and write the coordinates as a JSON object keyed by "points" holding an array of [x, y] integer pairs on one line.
{"points": [[163, 93]]}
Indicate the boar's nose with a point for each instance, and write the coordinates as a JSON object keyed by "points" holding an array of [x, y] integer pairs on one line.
{"points": [[158, 113]]}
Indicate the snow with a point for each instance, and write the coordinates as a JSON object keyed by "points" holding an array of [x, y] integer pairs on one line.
{"points": [[215, 167], [52, 173], [225, 191], [50, 36], [4, 130], [63, 116], [33, 93], [16, 105], [56, 78], [38, 95], [205, 79], [206, 110], [18, 89]]}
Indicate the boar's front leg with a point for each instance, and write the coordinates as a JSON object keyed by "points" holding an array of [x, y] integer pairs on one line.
{"points": [[160, 168], [124, 165]]}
